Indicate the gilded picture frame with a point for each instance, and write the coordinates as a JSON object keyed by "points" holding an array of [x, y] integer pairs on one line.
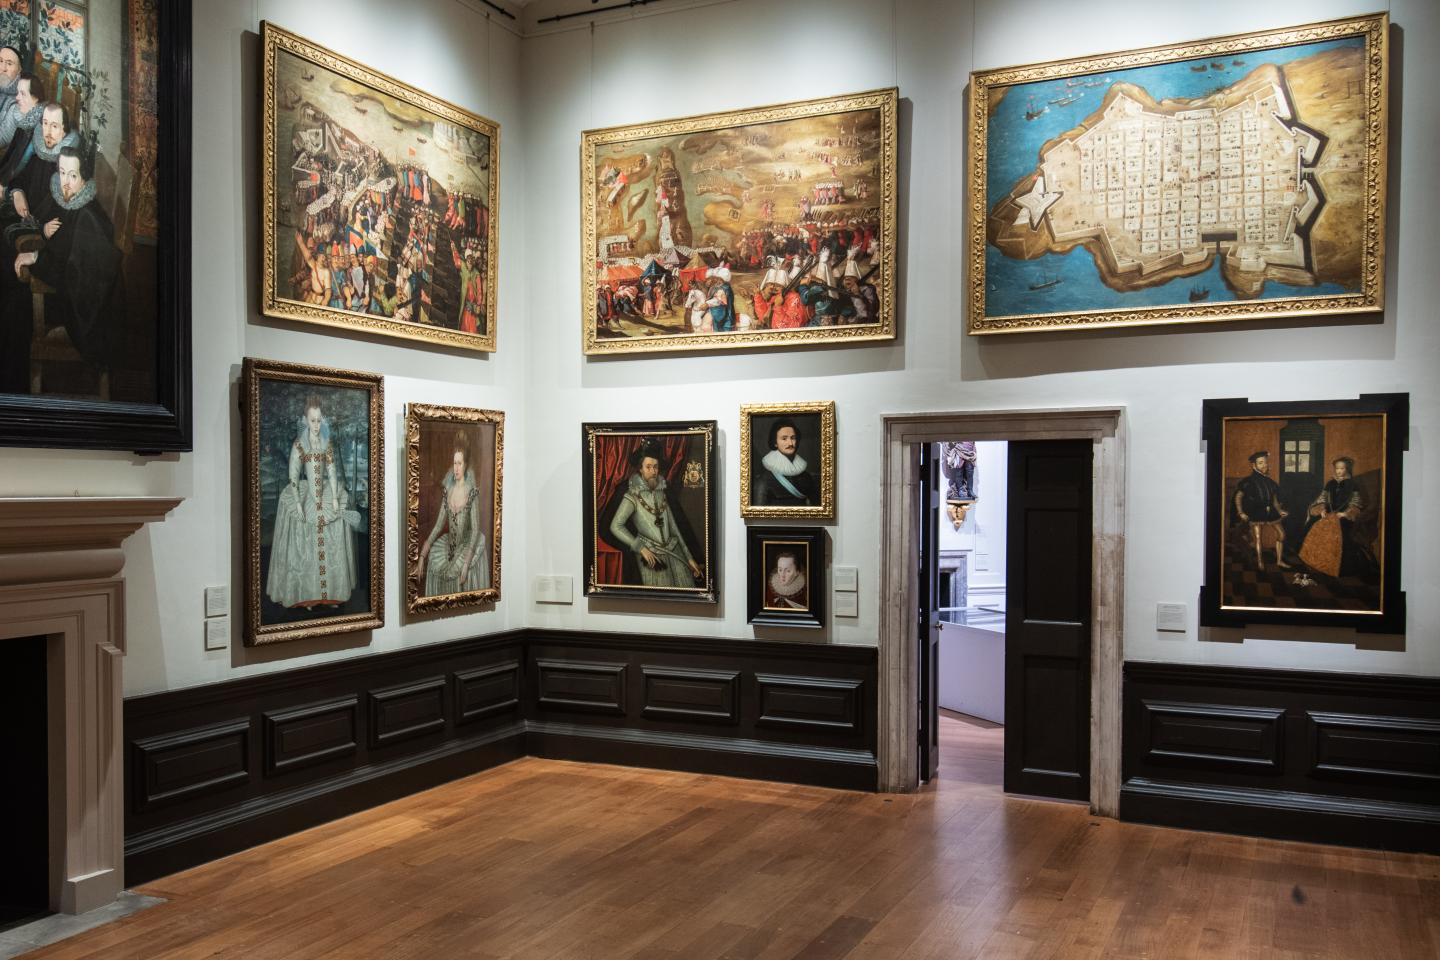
{"points": [[785, 577], [350, 157], [466, 508], [799, 194], [651, 528], [787, 460], [1239, 177], [314, 501], [1303, 512]]}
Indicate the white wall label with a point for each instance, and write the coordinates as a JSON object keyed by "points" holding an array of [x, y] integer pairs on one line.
{"points": [[555, 588], [1171, 618], [217, 601], [847, 605], [217, 633], [846, 580]]}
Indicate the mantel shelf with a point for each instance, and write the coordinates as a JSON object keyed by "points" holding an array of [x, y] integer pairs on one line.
{"points": [[45, 539]]}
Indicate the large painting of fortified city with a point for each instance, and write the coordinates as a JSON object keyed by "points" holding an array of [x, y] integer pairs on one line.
{"points": [[379, 201], [650, 523], [1228, 178], [1303, 518], [765, 227], [93, 265]]}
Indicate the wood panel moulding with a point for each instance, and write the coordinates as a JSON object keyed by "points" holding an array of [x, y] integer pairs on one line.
{"points": [[312, 734]]}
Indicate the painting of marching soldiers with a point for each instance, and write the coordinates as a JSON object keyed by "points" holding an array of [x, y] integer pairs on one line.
{"points": [[78, 229], [379, 201], [761, 227]]}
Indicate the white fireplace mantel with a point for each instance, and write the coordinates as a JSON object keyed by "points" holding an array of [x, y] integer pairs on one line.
{"points": [[60, 559]]}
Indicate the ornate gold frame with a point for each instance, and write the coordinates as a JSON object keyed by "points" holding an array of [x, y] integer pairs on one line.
{"points": [[708, 592], [275, 39], [826, 410], [886, 100], [1369, 299], [415, 414], [255, 370]]}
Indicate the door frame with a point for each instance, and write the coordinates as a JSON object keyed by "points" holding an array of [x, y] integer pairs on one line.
{"points": [[897, 749]]}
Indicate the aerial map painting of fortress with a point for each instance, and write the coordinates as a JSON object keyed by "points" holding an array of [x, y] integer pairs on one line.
{"points": [[1244, 182]]}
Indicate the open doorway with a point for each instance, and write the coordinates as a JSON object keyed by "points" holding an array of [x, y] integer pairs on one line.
{"points": [[1052, 509], [969, 610], [1008, 639]]}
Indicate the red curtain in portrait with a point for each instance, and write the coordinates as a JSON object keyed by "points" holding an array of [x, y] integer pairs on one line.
{"points": [[612, 471]]}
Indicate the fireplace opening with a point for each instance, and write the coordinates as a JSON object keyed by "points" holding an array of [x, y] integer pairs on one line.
{"points": [[25, 800]]}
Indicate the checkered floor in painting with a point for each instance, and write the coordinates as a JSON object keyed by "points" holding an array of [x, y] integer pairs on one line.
{"points": [[1298, 588]]}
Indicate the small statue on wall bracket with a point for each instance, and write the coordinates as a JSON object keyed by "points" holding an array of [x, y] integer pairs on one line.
{"points": [[958, 461]]}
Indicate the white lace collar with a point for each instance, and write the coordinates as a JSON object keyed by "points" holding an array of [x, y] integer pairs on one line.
{"points": [[783, 466], [37, 138], [86, 194], [787, 590]]}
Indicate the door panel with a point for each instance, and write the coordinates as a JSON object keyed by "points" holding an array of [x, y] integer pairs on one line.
{"points": [[1047, 619], [927, 633]]}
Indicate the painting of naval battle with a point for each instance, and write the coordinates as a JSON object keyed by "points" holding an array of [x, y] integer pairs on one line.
{"points": [[1302, 514], [1231, 178], [379, 201], [764, 227]]}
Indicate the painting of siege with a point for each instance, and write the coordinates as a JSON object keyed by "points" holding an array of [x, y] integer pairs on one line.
{"points": [[763, 227], [379, 201], [1238, 177]]}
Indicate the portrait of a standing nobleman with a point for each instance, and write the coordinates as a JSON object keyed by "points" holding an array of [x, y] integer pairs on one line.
{"points": [[650, 526]]}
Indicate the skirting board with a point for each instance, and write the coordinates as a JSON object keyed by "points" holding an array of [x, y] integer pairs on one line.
{"points": [[1283, 815], [756, 759]]}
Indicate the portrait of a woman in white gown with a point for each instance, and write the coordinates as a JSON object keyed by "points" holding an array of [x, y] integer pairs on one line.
{"points": [[313, 557], [314, 501], [454, 558], [452, 517]]}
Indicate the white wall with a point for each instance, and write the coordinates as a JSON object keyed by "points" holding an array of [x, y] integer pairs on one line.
{"points": [[712, 56], [751, 52], [440, 46]]}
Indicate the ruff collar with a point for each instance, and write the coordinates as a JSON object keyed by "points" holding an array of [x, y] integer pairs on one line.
{"points": [[12, 120], [86, 194], [449, 480], [787, 590], [37, 139], [638, 484], [783, 466]]}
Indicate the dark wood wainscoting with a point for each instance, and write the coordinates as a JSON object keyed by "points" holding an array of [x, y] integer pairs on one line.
{"points": [[1327, 757], [215, 769], [221, 767], [798, 712]]}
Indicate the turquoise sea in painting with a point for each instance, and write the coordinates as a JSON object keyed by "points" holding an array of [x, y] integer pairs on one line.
{"points": [[1014, 152]]}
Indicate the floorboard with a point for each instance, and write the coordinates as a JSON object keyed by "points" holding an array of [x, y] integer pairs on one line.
{"points": [[543, 858]]}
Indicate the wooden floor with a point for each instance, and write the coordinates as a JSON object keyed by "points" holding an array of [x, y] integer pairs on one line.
{"points": [[547, 859]]}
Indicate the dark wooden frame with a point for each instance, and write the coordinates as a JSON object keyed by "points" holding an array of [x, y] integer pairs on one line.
{"points": [[708, 525], [1395, 409], [813, 539], [40, 421], [255, 370]]}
